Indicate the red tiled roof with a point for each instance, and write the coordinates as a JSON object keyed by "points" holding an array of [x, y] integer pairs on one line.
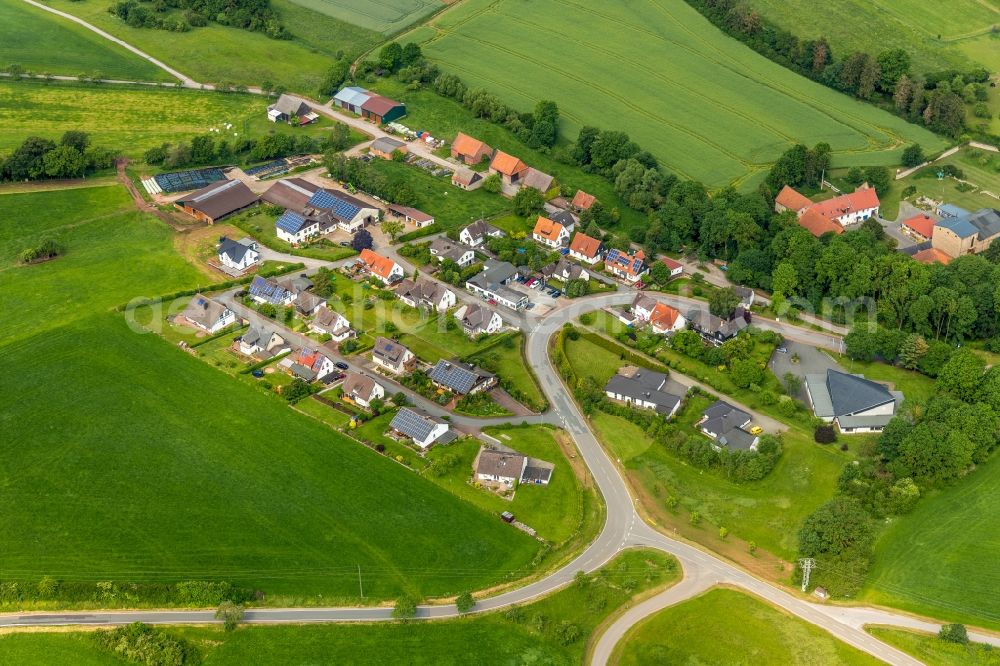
{"points": [[582, 200], [792, 199], [818, 224], [671, 264], [547, 229], [466, 145], [585, 245], [376, 263], [922, 224], [931, 255], [663, 316], [506, 164], [863, 198]]}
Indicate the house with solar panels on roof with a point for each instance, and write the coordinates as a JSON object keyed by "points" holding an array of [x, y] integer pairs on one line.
{"points": [[208, 315], [335, 209], [420, 427], [217, 201], [296, 228], [853, 403], [461, 378], [268, 290], [628, 267], [393, 356]]}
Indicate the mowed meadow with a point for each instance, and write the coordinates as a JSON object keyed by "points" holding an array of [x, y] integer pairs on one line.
{"points": [[125, 459], [42, 42], [708, 107]]}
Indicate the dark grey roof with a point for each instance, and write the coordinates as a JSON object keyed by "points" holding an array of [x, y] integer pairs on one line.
{"points": [[306, 301], [235, 250], [708, 324], [303, 372], [737, 439], [537, 470], [387, 144], [476, 316], [500, 463], [644, 385], [389, 350], [458, 377], [414, 423], [481, 228], [851, 394], [564, 217], [220, 198], [291, 106], [204, 310], [724, 420], [494, 274]]}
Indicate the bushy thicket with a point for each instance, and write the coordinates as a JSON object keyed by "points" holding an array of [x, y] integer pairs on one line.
{"points": [[73, 157], [253, 15], [114, 593], [139, 643]]}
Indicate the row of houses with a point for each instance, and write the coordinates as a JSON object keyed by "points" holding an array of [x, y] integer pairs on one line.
{"points": [[513, 173], [312, 211]]}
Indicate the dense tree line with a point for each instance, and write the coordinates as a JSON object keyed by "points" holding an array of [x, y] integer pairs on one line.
{"points": [[368, 178], [936, 99], [926, 446], [73, 157], [212, 149], [253, 15]]}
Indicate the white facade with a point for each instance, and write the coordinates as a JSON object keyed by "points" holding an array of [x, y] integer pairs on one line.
{"points": [[580, 256], [250, 258], [437, 431], [306, 232]]}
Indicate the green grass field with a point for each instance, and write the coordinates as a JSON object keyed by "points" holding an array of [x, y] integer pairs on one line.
{"points": [[925, 560], [935, 652], [933, 33], [42, 42], [140, 463], [527, 637], [710, 108], [728, 627], [218, 53], [385, 17]]}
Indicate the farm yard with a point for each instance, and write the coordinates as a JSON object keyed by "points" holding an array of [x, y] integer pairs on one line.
{"points": [[215, 53], [938, 35], [180, 454], [725, 132], [42, 42], [743, 630], [127, 119], [385, 17]]}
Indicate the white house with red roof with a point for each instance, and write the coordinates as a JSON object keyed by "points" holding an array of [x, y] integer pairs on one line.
{"points": [[920, 227], [664, 319], [628, 267], [383, 268], [676, 267], [550, 233], [586, 248], [832, 215]]}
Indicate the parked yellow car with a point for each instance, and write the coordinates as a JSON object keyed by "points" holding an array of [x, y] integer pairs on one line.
{"points": [[756, 430]]}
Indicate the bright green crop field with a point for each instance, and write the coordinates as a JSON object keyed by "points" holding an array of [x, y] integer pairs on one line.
{"points": [[530, 636], [924, 561], [728, 627], [136, 462], [386, 16], [42, 42], [933, 651], [217, 53], [708, 107], [933, 33]]}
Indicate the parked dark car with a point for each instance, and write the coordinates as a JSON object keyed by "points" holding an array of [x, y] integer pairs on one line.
{"points": [[342, 365], [257, 373]]}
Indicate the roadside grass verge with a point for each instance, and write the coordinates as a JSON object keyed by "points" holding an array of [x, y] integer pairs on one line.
{"points": [[933, 651]]}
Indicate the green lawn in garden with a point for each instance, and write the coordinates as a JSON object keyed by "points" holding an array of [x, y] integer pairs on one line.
{"points": [[530, 635], [141, 463], [724, 626], [933, 651], [731, 111], [43, 43], [506, 360]]}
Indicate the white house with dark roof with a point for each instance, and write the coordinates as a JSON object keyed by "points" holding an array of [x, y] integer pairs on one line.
{"points": [[491, 284], [392, 356], [296, 228], [238, 255], [505, 466], [261, 341], [727, 425], [419, 426], [208, 315], [337, 209], [476, 233], [643, 388], [332, 323], [854, 403], [426, 293], [361, 389], [478, 319], [461, 378], [442, 248], [268, 290]]}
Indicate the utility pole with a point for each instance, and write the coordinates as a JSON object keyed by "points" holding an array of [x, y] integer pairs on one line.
{"points": [[360, 586], [807, 564]]}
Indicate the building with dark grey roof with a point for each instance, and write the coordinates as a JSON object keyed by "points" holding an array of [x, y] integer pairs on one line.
{"points": [[727, 425], [716, 330], [218, 200], [491, 284], [291, 193], [500, 466], [419, 426], [209, 315], [642, 388], [461, 378], [393, 356], [854, 403]]}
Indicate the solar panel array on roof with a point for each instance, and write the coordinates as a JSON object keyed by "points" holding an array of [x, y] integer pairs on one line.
{"points": [[181, 181], [291, 222], [329, 201], [410, 423], [619, 258], [268, 291]]}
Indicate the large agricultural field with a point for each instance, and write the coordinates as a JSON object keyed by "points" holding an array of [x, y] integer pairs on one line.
{"points": [[925, 560], [129, 119], [530, 636], [938, 35], [708, 107], [143, 464], [42, 42], [385, 17], [217, 53], [724, 626]]}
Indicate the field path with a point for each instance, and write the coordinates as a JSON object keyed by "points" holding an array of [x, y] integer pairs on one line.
{"points": [[187, 81]]}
